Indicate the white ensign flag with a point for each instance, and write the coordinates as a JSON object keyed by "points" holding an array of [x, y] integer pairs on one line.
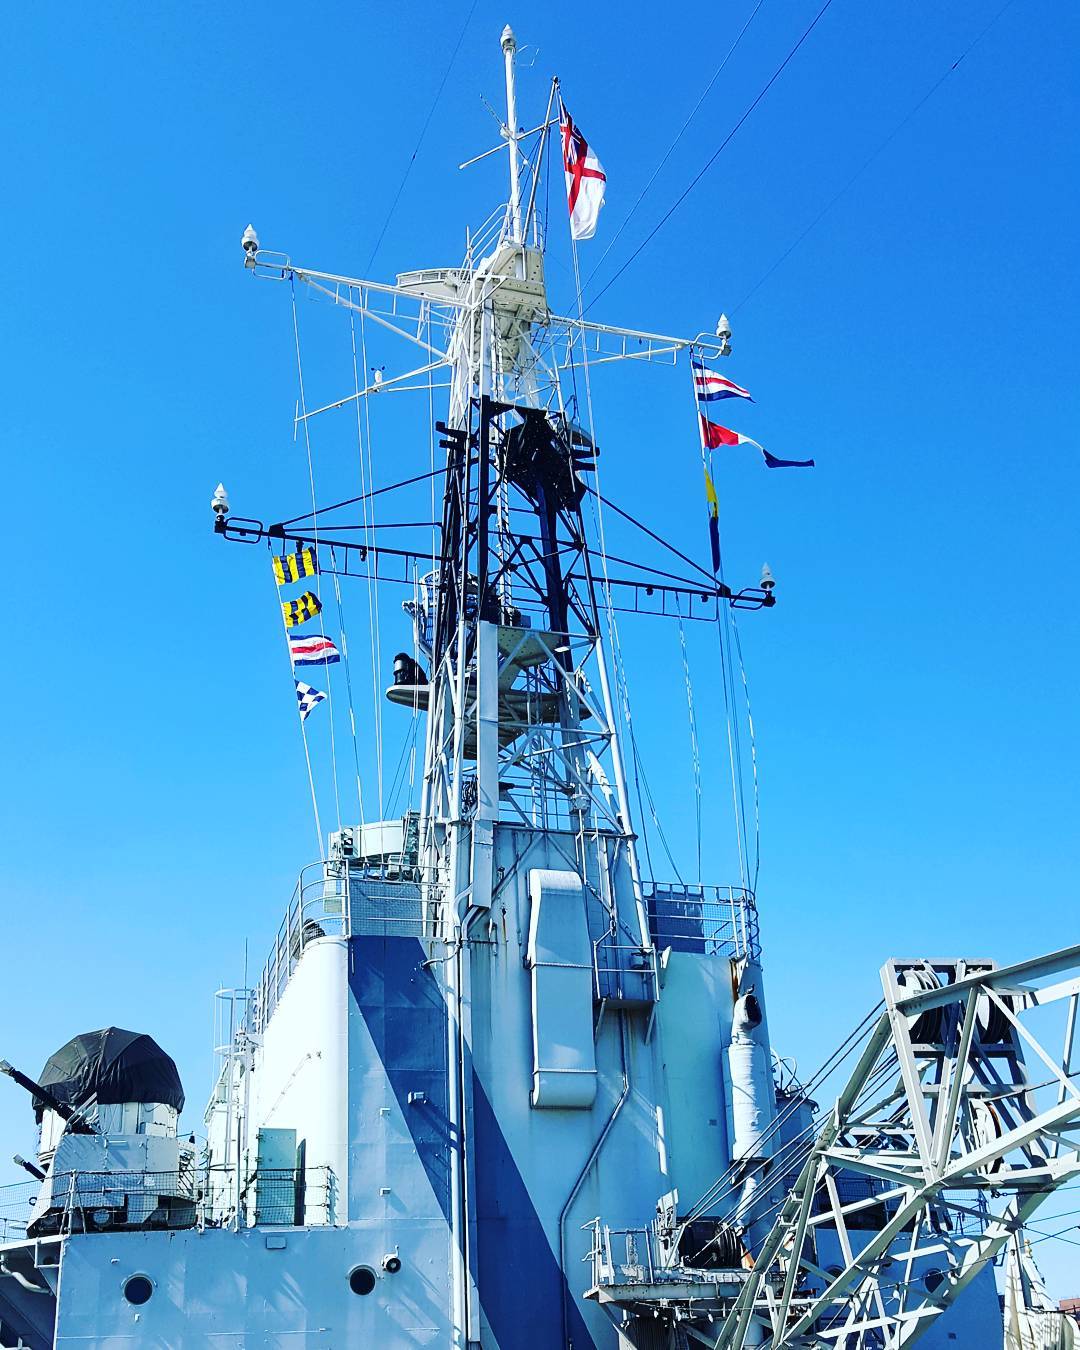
{"points": [[585, 179]]}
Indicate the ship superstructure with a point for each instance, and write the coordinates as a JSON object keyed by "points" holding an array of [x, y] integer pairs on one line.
{"points": [[497, 1085]]}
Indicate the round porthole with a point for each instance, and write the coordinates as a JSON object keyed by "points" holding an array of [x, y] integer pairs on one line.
{"points": [[933, 1280], [362, 1279], [138, 1289]]}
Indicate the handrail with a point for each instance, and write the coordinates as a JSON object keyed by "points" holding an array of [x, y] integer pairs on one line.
{"points": [[708, 919], [207, 1196], [334, 897]]}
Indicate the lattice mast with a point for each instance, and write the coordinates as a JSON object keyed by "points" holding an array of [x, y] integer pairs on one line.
{"points": [[515, 725]]}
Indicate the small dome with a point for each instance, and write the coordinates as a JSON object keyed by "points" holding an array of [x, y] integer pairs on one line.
{"points": [[111, 1066]]}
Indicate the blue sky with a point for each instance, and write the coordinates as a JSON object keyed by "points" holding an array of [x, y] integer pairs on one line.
{"points": [[914, 689]]}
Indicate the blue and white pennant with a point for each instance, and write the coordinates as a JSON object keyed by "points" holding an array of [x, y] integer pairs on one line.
{"points": [[307, 698]]}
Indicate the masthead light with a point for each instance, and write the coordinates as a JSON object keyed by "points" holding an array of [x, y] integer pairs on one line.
{"points": [[249, 241]]}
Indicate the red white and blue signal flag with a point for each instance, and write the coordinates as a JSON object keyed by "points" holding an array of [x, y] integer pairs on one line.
{"points": [[709, 386]]}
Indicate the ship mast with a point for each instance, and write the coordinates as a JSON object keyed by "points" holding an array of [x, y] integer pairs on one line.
{"points": [[521, 722], [509, 46], [515, 673]]}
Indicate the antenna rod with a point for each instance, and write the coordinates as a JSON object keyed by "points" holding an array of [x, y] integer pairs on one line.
{"points": [[509, 46]]}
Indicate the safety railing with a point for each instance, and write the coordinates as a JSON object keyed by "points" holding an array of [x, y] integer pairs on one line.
{"points": [[333, 899], [638, 1257], [708, 920], [15, 1202], [205, 1197], [620, 1255], [624, 973]]}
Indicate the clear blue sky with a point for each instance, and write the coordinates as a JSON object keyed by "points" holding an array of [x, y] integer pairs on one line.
{"points": [[914, 690]]}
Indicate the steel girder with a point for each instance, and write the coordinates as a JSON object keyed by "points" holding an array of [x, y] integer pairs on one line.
{"points": [[957, 1123]]}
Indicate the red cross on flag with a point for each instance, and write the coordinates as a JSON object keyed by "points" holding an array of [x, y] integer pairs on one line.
{"points": [[585, 178]]}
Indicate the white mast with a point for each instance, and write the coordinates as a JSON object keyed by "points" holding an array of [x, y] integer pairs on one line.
{"points": [[509, 46]]}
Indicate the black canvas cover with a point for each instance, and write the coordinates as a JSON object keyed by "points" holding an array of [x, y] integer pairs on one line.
{"points": [[111, 1066]]}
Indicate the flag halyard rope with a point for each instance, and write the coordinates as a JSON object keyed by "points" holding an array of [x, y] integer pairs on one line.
{"points": [[318, 581]]}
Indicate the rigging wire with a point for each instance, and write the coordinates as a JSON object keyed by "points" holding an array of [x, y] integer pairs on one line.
{"points": [[737, 1167], [738, 774], [303, 734], [408, 746], [670, 150], [419, 615], [318, 578], [695, 754], [618, 664], [365, 496], [348, 685], [645, 530], [363, 444], [423, 133], [723, 612], [713, 157], [753, 751], [872, 157]]}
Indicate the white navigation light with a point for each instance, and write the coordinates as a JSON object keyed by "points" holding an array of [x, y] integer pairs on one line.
{"points": [[768, 581], [249, 241], [219, 502], [723, 324], [509, 42]]}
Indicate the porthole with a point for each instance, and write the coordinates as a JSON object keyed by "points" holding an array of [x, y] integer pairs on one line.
{"points": [[138, 1289], [362, 1279], [933, 1280]]}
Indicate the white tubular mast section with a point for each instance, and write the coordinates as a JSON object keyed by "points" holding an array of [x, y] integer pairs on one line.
{"points": [[509, 46]]}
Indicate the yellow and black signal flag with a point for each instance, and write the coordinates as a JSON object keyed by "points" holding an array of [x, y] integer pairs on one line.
{"points": [[714, 520], [301, 609], [293, 566]]}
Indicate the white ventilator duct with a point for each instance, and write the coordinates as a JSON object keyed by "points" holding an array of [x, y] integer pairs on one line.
{"points": [[753, 1095]]}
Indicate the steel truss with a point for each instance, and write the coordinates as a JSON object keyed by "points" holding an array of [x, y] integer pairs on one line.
{"points": [[957, 1123]]}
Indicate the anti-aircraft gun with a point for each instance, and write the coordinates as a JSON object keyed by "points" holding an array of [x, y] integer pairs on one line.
{"points": [[108, 1154]]}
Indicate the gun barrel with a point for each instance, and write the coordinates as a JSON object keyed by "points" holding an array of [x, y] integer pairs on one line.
{"points": [[28, 1166], [46, 1099]]}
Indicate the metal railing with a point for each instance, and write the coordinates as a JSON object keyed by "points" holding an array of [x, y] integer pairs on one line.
{"points": [[620, 1255], [333, 899], [637, 1256], [709, 920], [624, 972], [203, 1197], [15, 1202]]}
